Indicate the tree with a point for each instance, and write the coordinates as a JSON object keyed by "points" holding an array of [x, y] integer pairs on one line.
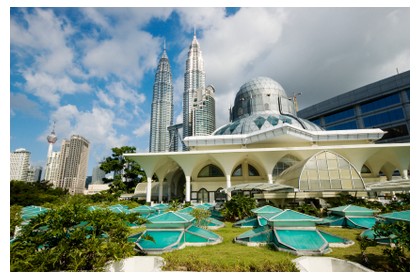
{"points": [[398, 252], [238, 207], [127, 173], [36, 193], [71, 238], [201, 217]]}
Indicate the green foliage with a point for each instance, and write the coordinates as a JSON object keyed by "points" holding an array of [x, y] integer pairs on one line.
{"points": [[398, 253], [71, 238], [238, 207], [229, 256], [308, 209], [174, 205], [36, 193], [15, 218], [127, 173], [201, 216]]}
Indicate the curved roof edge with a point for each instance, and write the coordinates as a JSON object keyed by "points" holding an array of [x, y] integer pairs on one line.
{"points": [[371, 134]]}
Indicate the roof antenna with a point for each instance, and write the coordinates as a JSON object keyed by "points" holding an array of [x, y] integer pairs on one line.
{"points": [[164, 44], [194, 32]]}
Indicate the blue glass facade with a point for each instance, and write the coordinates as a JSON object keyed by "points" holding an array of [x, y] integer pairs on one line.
{"points": [[383, 104], [349, 113], [383, 118]]}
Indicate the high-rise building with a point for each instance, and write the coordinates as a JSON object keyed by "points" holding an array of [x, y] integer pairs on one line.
{"points": [[53, 168], [97, 175], [73, 164], [34, 174], [203, 112], [19, 164], [196, 96], [162, 106]]}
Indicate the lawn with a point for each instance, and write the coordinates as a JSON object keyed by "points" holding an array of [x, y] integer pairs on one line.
{"points": [[232, 257], [228, 256]]}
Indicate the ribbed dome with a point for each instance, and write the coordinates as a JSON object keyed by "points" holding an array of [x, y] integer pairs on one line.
{"points": [[259, 95], [261, 104]]}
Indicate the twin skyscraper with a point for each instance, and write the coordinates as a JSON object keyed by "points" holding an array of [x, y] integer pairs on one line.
{"points": [[198, 107]]}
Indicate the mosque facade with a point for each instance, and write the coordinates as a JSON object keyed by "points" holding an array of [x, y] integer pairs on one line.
{"points": [[268, 152]]}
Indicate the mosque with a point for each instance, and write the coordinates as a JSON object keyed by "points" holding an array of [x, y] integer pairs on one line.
{"points": [[268, 152]]}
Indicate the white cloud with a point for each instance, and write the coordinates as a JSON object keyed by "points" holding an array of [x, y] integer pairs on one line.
{"points": [[50, 88], [143, 129]]}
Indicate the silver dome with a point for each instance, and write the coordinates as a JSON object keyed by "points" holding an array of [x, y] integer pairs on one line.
{"points": [[261, 104]]}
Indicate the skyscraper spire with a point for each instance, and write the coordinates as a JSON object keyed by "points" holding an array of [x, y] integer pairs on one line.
{"points": [[162, 105], [198, 101]]}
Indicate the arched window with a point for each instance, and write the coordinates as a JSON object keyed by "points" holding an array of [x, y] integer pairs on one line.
{"points": [[283, 164], [203, 195], [238, 171], [252, 171], [211, 171]]}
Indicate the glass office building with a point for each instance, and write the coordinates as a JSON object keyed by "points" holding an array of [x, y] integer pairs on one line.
{"points": [[384, 104]]}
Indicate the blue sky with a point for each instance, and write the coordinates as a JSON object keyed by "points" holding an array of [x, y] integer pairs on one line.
{"points": [[92, 69]]}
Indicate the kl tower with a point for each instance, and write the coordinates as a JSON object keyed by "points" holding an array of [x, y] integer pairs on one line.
{"points": [[51, 162]]}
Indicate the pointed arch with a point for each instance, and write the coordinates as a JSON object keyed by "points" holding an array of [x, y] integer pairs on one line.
{"points": [[324, 171], [210, 170]]}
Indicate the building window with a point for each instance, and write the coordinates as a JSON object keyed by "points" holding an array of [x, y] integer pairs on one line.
{"points": [[203, 195], [211, 171], [219, 195], [252, 171], [283, 164], [339, 116], [385, 117], [346, 125], [381, 103], [238, 171]]}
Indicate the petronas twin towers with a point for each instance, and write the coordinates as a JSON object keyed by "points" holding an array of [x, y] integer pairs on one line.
{"points": [[198, 108]]}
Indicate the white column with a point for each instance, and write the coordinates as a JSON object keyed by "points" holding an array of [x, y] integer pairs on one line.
{"points": [[228, 185], [149, 189], [270, 178], [187, 188], [404, 174], [160, 190]]}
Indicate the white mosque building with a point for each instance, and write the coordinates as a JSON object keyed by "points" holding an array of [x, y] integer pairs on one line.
{"points": [[268, 152]]}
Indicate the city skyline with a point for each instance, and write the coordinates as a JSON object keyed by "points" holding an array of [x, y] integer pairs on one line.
{"points": [[101, 82]]}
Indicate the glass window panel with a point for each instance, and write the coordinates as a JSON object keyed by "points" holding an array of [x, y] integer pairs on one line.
{"points": [[343, 126], [325, 184], [332, 164], [381, 103], [252, 171], [211, 171], [358, 184], [311, 164], [312, 174], [304, 185], [334, 174], [336, 184], [345, 174], [385, 117], [339, 116], [314, 185], [238, 171], [342, 163], [347, 184], [322, 164], [323, 175]]}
